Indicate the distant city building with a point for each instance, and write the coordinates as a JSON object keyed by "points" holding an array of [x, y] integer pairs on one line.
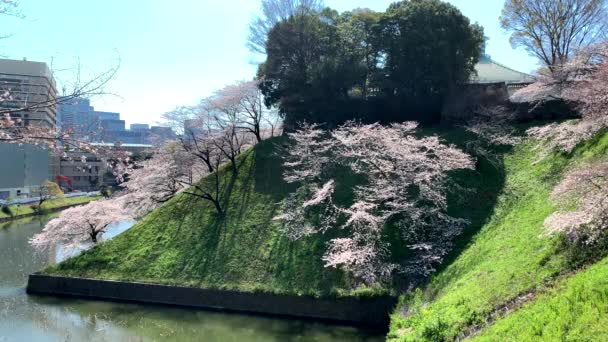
{"points": [[32, 88], [113, 125], [135, 149], [159, 135], [140, 127], [80, 119], [127, 137], [95, 126], [33, 97], [102, 116], [76, 175], [75, 117]]}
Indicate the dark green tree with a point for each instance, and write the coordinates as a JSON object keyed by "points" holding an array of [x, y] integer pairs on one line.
{"points": [[325, 67], [429, 47], [357, 30], [308, 72]]}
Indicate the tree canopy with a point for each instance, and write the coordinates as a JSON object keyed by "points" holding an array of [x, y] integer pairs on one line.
{"points": [[323, 66]]}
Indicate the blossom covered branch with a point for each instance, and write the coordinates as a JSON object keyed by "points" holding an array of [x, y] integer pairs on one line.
{"points": [[404, 185]]}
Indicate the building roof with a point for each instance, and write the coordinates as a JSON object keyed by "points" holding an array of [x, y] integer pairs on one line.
{"points": [[25, 68], [489, 71]]}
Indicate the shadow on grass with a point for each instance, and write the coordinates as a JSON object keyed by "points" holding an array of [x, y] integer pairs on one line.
{"points": [[476, 192]]}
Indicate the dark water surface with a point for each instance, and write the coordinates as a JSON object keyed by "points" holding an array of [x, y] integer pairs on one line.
{"points": [[36, 318]]}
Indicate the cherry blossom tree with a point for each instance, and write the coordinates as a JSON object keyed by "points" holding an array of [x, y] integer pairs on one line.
{"points": [[584, 81], [218, 130], [156, 180], [587, 188], [246, 99], [210, 188], [79, 225], [405, 185]]}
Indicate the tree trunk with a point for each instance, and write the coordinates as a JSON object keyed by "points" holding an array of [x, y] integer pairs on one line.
{"points": [[235, 170], [256, 129], [218, 208]]}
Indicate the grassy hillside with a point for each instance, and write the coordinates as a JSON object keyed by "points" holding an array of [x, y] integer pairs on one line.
{"points": [[506, 262], [501, 262], [576, 309], [184, 242]]}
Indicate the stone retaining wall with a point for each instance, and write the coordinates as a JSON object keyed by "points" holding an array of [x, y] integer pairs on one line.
{"points": [[358, 311]]}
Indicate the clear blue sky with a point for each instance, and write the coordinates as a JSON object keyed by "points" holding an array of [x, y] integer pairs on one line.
{"points": [[176, 52]]}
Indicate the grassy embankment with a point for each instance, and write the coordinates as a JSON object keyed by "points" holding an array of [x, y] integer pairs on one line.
{"points": [[25, 209], [184, 242], [509, 263], [501, 259]]}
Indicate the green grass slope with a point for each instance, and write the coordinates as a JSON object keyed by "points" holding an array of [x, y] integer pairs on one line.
{"points": [[184, 242], [501, 257], [506, 259], [576, 309]]}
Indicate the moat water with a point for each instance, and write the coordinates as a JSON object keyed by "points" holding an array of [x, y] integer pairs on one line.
{"points": [[39, 318]]}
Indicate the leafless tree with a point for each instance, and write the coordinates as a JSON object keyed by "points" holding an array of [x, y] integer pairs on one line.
{"points": [[274, 11], [553, 30], [11, 8], [210, 188]]}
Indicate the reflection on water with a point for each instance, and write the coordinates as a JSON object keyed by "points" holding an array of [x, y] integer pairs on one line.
{"points": [[34, 318], [60, 253]]}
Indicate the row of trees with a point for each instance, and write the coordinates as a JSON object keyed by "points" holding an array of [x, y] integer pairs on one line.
{"points": [[212, 134], [323, 66], [219, 129]]}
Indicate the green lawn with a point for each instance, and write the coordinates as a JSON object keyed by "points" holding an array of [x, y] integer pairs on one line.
{"points": [[19, 210], [576, 309], [506, 258]]}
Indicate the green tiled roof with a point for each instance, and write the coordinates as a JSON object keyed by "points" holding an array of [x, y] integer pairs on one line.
{"points": [[489, 71]]}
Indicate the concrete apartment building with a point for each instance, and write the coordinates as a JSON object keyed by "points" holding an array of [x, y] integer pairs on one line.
{"points": [[32, 87], [82, 176], [33, 95], [92, 174], [23, 168]]}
